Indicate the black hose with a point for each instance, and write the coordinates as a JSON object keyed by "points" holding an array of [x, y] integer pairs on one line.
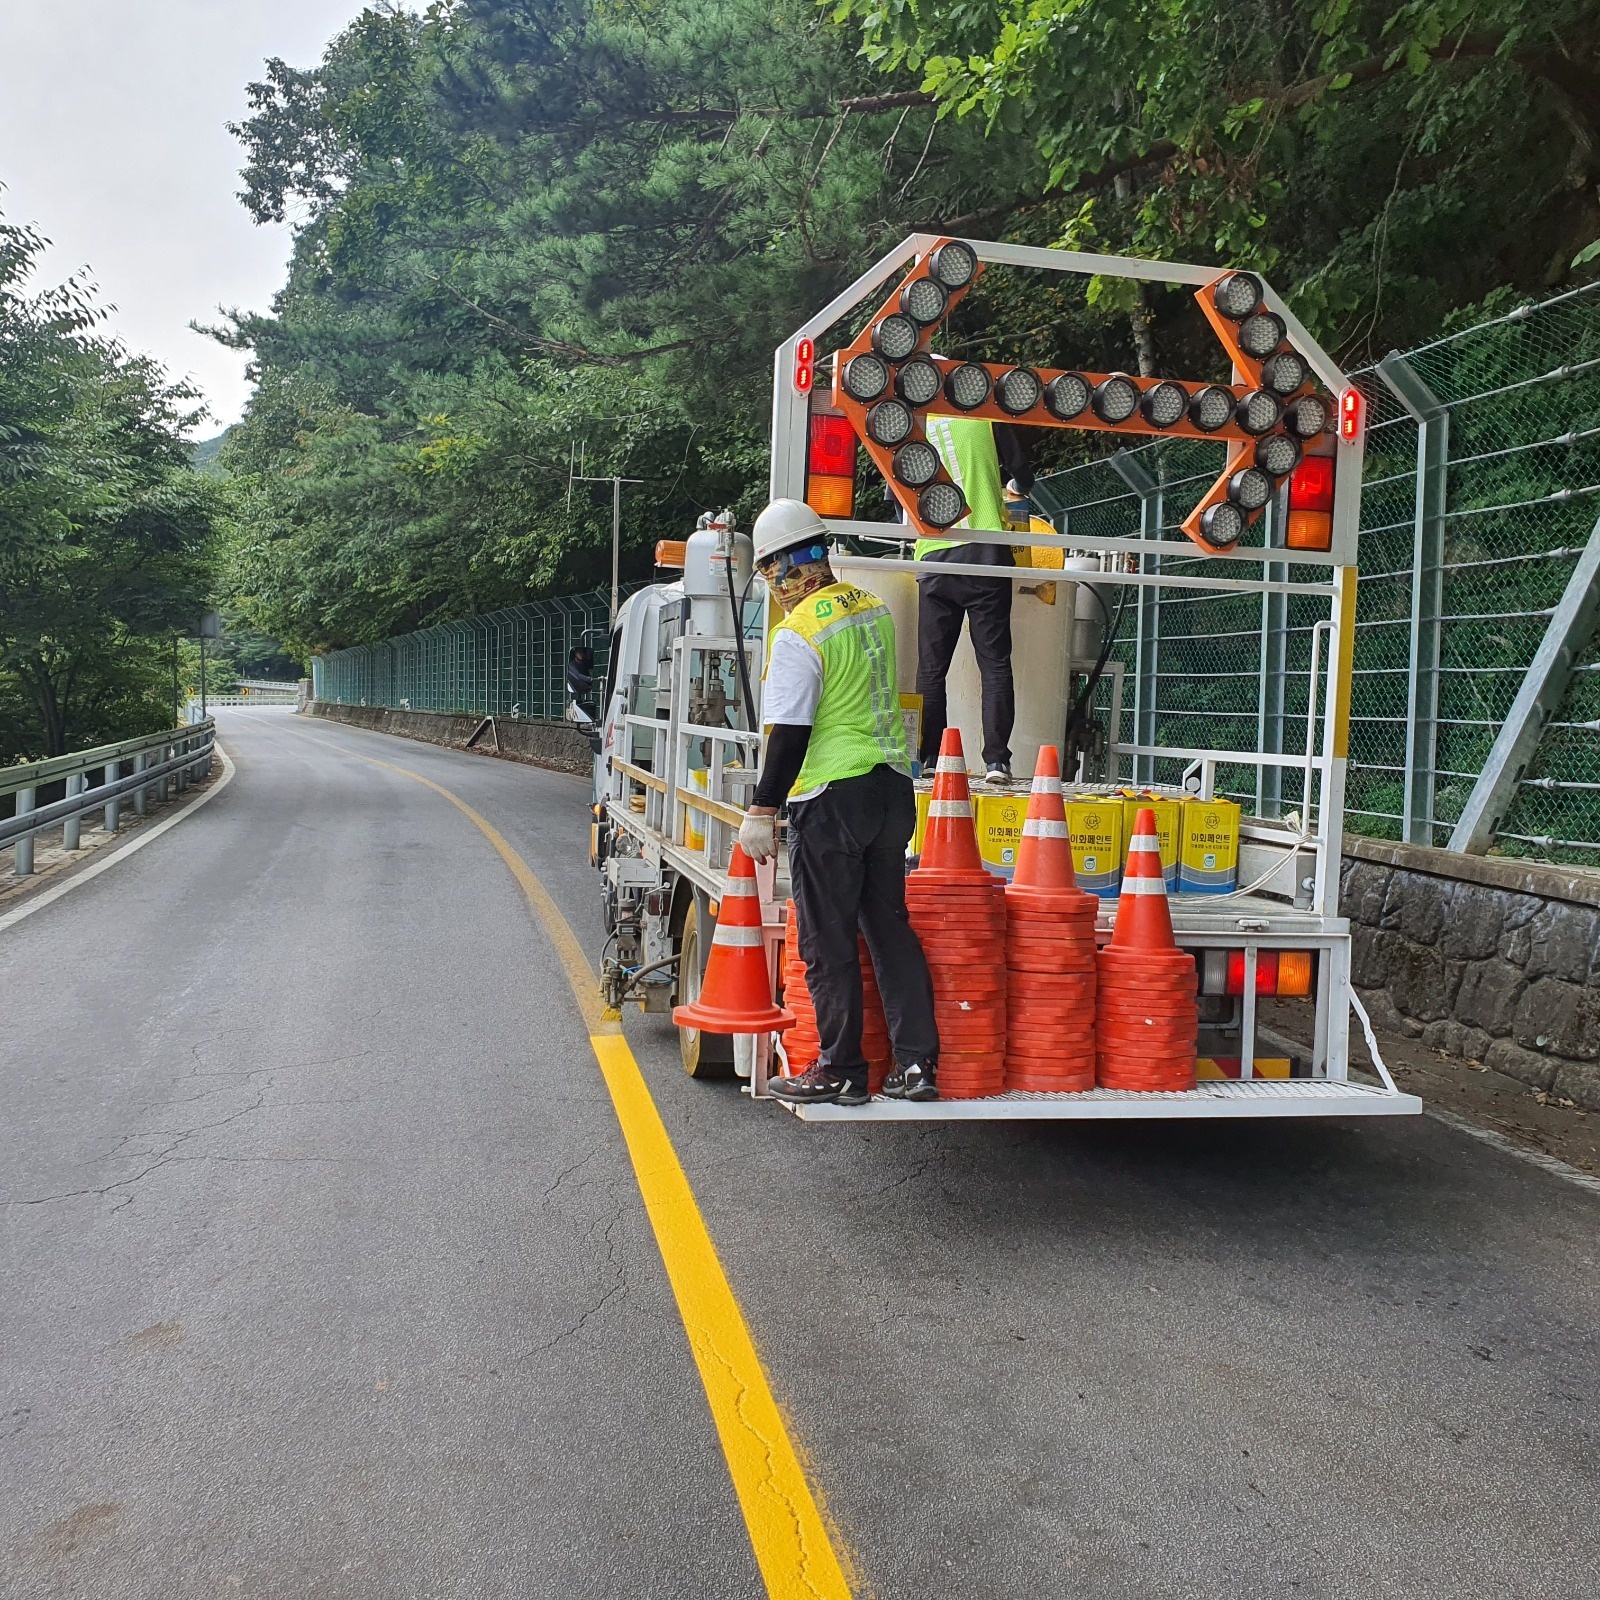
{"points": [[1107, 644], [736, 603]]}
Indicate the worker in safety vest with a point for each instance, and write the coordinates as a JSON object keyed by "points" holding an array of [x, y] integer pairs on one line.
{"points": [[837, 753], [970, 448]]}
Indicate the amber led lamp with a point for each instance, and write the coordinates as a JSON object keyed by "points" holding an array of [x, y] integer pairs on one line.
{"points": [[1266, 417]]}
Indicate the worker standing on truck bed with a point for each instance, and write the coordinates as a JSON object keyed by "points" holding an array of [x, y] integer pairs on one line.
{"points": [[971, 449], [837, 751]]}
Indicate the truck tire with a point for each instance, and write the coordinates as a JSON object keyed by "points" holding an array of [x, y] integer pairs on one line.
{"points": [[705, 1055]]}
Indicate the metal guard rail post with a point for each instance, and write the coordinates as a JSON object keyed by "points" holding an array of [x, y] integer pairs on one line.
{"points": [[25, 780]]}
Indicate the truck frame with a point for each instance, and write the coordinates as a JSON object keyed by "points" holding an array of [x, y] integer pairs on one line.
{"points": [[679, 741]]}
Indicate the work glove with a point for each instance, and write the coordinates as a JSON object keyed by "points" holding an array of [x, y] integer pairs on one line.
{"points": [[759, 837]]}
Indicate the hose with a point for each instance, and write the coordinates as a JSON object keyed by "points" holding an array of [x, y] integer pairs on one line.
{"points": [[736, 603], [1107, 644]]}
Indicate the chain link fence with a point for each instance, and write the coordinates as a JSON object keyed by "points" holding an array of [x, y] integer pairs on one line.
{"points": [[1481, 498], [1479, 547], [510, 663]]}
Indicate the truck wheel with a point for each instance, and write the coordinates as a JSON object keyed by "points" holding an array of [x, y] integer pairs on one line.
{"points": [[705, 1055]]}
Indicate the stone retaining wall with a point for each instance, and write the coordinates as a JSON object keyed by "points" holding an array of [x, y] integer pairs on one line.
{"points": [[540, 744], [1494, 960]]}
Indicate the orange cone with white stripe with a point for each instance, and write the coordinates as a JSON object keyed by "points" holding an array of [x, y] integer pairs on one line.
{"points": [[1144, 919], [736, 996], [950, 842], [1147, 1021], [1044, 856]]}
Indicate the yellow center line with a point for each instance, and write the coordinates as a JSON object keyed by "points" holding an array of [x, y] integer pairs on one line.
{"points": [[794, 1542]]}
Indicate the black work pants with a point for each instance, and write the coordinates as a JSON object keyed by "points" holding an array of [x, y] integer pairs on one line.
{"points": [[847, 862], [985, 604]]}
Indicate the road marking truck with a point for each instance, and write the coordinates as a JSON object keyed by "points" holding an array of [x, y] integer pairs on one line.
{"points": [[1264, 536]]}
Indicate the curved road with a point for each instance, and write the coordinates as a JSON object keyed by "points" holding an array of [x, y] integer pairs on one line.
{"points": [[327, 1274]]}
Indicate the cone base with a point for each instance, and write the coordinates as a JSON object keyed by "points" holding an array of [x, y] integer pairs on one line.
{"points": [[712, 1019]]}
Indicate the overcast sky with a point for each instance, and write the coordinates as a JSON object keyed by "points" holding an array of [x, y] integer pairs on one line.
{"points": [[113, 144]]}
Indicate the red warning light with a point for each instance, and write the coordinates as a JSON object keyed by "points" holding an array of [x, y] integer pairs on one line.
{"points": [[805, 359], [1350, 415]]}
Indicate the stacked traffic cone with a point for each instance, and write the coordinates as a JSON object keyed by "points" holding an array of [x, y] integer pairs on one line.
{"points": [[1050, 956], [958, 909], [736, 996], [1147, 1021], [803, 1044]]}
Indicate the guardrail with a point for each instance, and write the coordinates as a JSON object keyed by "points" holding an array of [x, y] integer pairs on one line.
{"points": [[158, 763]]}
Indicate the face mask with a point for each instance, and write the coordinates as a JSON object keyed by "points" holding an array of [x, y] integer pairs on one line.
{"points": [[791, 565]]}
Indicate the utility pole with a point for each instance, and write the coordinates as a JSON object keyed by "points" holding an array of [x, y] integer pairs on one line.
{"points": [[575, 474]]}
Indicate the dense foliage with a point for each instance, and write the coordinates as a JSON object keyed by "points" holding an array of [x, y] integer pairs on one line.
{"points": [[527, 224], [106, 536]]}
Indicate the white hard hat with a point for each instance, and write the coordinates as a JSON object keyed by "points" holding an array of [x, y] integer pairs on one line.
{"points": [[784, 524]]}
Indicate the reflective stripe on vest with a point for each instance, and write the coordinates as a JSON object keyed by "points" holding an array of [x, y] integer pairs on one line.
{"points": [[858, 724], [966, 446]]}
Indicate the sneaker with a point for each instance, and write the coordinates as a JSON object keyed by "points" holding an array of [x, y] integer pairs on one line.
{"points": [[818, 1086], [999, 773], [913, 1080]]}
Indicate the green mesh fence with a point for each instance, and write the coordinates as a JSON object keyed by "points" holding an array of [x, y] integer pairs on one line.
{"points": [[509, 663], [1482, 489]]}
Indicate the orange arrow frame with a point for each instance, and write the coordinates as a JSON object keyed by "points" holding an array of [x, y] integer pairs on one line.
{"points": [[1231, 433]]}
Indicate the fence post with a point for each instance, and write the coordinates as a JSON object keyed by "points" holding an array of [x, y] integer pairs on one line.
{"points": [[72, 828], [1543, 688], [1432, 417], [1147, 636], [113, 807], [23, 850], [141, 804]]}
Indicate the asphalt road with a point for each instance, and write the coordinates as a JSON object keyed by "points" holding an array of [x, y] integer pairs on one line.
{"points": [[325, 1274]]}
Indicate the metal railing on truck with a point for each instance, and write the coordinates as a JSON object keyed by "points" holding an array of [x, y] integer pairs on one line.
{"points": [[154, 764]]}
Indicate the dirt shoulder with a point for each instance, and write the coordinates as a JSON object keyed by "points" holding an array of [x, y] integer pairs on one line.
{"points": [[1507, 1106]]}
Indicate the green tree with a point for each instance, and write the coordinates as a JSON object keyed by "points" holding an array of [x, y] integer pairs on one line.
{"points": [[106, 537], [534, 224], [1384, 164]]}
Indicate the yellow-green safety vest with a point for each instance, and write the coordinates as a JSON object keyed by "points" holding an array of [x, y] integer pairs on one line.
{"points": [[858, 724], [966, 446]]}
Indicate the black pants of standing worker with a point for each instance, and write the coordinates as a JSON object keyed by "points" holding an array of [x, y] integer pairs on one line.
{"points": [[847, 862], [985, 604]]}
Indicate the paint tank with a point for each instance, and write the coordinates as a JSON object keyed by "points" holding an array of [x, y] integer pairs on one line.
{"points": [[1043, 618]]}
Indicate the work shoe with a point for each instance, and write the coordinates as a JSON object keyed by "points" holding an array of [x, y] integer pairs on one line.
{"points": [[998, 773], [913, 1080], [818, 1086]]}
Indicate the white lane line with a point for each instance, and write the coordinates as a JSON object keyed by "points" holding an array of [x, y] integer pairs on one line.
{"points": [[137, 842], [1510, 1147], [1498, 1141]]}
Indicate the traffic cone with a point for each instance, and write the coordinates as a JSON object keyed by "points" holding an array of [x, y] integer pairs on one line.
{"points": [[950, 842], [802, 1044], [958, 911], [1147, 1021], [1044, 856], [1050, 953], [1144, 919], [736, 996]]}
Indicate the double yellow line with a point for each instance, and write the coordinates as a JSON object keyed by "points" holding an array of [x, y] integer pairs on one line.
{"points": [[789, 1531]]}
